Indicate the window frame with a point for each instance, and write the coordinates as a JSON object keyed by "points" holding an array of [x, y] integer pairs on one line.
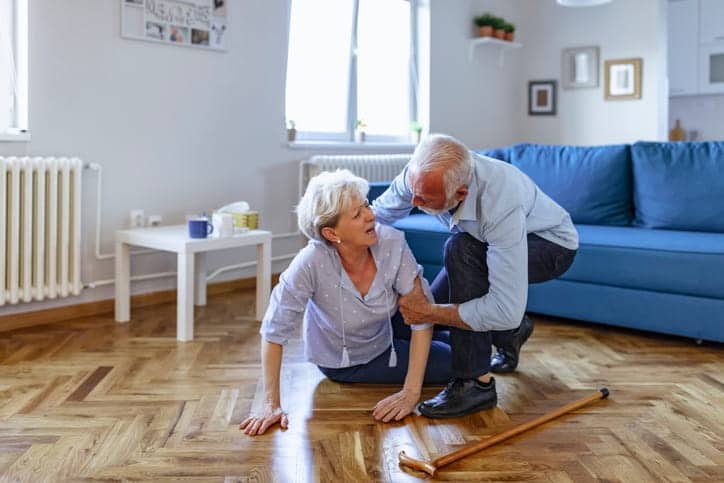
{"points": [[17, 130], [413, 81]]}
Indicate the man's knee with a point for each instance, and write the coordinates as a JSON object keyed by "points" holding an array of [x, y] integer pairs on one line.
{"points": [[462, 247]]}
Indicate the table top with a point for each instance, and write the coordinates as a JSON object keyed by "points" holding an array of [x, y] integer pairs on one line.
{"points": [[175, 238]]}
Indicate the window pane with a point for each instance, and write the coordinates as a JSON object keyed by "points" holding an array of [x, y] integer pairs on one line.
{"points": [[383, 66], [318, 65]]}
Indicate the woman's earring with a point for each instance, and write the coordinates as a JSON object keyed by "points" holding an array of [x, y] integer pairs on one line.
{"points": [[339, 240]]}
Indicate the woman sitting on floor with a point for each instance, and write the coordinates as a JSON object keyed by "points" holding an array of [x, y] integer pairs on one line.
{"points": [[345, 284]]}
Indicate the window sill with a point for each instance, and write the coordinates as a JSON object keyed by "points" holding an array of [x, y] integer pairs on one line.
{"points": [[348, 146], [14, 137]]}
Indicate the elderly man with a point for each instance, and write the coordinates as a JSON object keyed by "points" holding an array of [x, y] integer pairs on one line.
{"points": [[506, 233]]}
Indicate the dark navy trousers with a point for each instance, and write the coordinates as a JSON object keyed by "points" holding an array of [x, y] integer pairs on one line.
{"points": [[465, 277]]}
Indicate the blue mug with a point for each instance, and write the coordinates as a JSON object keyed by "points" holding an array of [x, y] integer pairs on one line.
{"points": [[200, 228]]}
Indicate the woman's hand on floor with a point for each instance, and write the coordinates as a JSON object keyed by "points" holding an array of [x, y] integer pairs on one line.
{"points": [[255, 425], [396, 406]]}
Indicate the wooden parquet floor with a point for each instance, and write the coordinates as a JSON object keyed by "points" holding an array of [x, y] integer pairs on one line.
{"points": [[92, 400]]}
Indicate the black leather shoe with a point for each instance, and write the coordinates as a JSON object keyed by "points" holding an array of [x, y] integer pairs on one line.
{"points": [[459, 398], [506, 358]]}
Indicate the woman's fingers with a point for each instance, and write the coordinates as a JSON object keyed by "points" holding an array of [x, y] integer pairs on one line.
{"points": [[246, 422], [284, 423]]}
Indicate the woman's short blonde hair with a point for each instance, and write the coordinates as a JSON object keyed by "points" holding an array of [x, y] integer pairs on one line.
{"points": [[327, 195]]}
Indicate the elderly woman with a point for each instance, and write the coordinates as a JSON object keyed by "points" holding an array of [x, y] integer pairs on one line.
{"points": [[345, 285]]}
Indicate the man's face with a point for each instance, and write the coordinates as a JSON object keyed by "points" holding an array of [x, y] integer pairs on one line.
{"points": [[428, 193]]}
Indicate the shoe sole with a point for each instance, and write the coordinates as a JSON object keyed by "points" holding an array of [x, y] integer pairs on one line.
{"points": [[476, 409]]}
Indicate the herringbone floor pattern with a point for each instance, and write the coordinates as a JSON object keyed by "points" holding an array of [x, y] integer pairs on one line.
{"points": [[92, 400]]}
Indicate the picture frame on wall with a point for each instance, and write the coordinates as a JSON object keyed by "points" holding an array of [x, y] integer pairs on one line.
{"points": [[623, 79], [188, 23], [579, 67], [542, 98]]}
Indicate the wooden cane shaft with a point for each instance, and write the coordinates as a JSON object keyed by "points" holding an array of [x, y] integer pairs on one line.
{"points": [[474, 448]]}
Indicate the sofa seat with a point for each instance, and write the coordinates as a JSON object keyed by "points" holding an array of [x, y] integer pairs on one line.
{"points": [[426, 237], [681, 262]]}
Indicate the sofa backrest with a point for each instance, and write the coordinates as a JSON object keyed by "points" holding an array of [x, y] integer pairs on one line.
{"points": [[679, 186], [592, 183]]}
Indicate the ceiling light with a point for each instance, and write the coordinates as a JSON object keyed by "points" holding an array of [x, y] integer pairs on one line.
{"points": [[581, 3]]}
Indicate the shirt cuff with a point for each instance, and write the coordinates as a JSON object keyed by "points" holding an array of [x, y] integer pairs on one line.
{"points": [[420, 326], [470, 316]]}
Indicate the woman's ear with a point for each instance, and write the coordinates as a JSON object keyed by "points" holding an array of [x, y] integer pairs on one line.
{"points": [[329, 234]]}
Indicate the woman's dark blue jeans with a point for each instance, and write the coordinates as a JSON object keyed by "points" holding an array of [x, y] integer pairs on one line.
{"points": [[377, 371], [465, 277]]}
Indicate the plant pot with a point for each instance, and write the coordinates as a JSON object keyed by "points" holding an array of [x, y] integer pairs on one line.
{"points": [[359, 136], [415, 137], [499, 34], [509, 36], [291, 135], [486, 31]]}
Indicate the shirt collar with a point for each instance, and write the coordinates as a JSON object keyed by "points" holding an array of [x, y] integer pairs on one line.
{"points": [[468, 209]]}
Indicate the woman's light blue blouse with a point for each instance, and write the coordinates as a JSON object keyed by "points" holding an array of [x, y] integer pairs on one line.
{"points": [[316, 289]]}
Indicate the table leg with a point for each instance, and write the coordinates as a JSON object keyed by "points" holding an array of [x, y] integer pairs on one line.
{"points": [[263, 277], [185, 297], [123, 282], [200, 283]]}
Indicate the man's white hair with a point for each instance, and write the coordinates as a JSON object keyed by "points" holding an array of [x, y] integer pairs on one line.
{"points": [[442, 152], [327, 195]]}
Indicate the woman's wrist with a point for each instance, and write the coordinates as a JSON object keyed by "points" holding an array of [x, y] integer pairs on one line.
{"points": [[415, 389]]}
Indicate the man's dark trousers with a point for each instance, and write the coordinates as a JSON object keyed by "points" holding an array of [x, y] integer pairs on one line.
{"points": [[465, 277]]}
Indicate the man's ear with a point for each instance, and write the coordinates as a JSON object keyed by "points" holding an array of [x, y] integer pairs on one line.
{"points": [[461, 193], [329, 234]]}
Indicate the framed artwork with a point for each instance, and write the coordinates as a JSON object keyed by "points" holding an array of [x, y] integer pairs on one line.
{"points": [[623, 79], [579, 67], [190, 23], [542, 98]]}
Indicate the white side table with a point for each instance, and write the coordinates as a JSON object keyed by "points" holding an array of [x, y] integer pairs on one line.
{"points": [[191, 277]]}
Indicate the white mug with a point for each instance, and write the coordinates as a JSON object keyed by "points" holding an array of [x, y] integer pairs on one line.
{"points": [[223, 224]]}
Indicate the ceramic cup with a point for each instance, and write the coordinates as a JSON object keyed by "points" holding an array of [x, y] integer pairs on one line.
{"points": [[200, 228]]}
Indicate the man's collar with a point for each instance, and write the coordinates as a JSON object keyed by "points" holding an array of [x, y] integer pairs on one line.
{"points": [[467, 210]]}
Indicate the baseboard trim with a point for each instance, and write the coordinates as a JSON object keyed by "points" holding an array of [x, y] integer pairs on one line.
{"points": [[101, 307]]}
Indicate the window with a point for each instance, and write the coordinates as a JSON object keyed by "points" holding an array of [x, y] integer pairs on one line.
{"points": [[352, 60], [13, 66]]}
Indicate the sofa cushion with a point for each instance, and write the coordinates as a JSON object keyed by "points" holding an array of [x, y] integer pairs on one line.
{"points": [[679, 186], [592, 183], [502, 154], [426, 237], [689, 263]]}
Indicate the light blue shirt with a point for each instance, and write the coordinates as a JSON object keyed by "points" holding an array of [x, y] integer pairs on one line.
{"points": [[503, 205], [316, 289]]}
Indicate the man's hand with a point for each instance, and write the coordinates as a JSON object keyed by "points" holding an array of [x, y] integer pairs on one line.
{"points": [[254, 425], [414, 306], [396, 406]]}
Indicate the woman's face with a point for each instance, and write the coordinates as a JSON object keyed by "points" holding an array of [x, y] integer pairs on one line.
{"points": [[356, 225]]}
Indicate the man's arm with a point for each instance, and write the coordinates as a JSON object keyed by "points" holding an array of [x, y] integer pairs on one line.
{"points": [[396, 202]]}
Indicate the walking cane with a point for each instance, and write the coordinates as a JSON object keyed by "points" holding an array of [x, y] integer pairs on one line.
{"points": [[432, 466]]}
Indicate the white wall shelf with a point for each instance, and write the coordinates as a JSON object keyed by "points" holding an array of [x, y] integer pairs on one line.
{"points": [[501, 45]]}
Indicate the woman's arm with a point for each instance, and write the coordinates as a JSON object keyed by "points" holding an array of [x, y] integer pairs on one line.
{"points": [[402, 403], [271, 411]]}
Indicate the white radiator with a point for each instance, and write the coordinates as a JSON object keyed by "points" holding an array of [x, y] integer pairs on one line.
{"points": [[372, 167], [39, 228]]}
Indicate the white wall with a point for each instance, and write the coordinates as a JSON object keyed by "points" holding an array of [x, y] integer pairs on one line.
{"points": [[176, 130], [485, 104], [622, 29], [181, 130], [704, 114]]}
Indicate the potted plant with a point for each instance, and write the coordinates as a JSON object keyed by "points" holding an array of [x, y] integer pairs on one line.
{"points": [[415, 131], [485, 24], [291, 131], [498, 28], [509, 28], [359, 131]]}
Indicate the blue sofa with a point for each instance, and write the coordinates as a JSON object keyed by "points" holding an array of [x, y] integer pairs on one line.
{"points": [[650, 217]]}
